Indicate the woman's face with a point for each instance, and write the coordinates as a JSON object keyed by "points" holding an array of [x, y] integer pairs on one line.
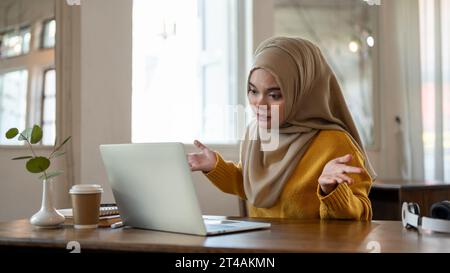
{"points": [[263, 94]]}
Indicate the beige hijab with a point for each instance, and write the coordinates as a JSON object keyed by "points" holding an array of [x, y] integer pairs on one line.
{"points": [[313, 102]]}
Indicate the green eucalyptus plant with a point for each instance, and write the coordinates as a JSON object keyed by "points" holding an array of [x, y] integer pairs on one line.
{"points": [[35, 163]]}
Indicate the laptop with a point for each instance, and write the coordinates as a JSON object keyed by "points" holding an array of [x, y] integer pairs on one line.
{"points": [[153, 189]]}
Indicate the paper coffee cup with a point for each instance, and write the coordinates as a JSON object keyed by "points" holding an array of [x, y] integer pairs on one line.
{"points": [[86, 205]]}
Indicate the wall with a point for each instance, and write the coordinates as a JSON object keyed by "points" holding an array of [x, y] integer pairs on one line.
{"points": [[105, 83], [20, 191]]}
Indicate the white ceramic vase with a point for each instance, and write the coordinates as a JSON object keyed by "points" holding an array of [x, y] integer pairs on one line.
{"points": [[47, 216]]}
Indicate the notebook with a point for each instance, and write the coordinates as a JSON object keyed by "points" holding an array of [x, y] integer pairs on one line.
{"points": [[107, 211]]}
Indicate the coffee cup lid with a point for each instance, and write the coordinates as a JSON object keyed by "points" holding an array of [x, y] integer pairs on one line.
{"points": [[85, 189]]}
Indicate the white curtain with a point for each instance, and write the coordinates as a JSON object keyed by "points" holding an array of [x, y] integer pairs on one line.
{"points": [[435, 42], [67, 56], [401, 155]]}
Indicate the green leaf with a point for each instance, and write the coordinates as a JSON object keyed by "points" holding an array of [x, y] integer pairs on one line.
{"points": [[64, 142], [58, 154], [26, 134], [22, 157], [36, 134], [38, 164], [13, 132], [51, 174]]}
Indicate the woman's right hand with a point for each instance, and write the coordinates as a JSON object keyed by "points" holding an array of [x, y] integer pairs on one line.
{"points": [[204, 161]]}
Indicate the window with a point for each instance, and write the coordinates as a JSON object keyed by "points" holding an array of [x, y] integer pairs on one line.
{"points": [[184, 82], [23, 101], [435, 68], [13, 102], [48, 34], [345, 30], [49, 107], [15, 42]]}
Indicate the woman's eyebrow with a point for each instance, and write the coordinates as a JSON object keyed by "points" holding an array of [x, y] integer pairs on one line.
{"points": [[270, 89], [273, 89]]}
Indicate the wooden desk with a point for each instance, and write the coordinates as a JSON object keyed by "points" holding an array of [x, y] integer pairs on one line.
{"points": [[284, 236], [387, 196]]}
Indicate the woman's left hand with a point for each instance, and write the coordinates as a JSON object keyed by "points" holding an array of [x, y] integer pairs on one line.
{"points": [[334, 173]]}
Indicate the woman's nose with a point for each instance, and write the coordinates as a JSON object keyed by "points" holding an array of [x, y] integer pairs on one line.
{"points": [[260, 101]]}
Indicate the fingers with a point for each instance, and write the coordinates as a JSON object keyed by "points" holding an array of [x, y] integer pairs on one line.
{"points": [[344, 168], [337, 174], [327, 180], [345, 178], [193, 162], [191, 166], [190, 160], [335, 179], [194, 168], [351, 169], [200, 145], [343, 159]]}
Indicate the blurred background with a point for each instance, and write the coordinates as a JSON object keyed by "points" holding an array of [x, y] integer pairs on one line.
{"points": [[120, 71]]}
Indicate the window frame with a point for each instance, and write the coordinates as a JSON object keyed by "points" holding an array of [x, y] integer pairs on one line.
{"points": [[42, 34], [35, 78], [42, 97], [8, 30]]}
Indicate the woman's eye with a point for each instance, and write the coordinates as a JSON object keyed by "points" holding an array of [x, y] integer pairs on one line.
{"points": [[275, 96], [252, 92]]}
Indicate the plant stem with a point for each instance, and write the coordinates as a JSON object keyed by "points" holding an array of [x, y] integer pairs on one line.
{"points": [[29, 144], [57, 148], [50, 156], [54, 150]]}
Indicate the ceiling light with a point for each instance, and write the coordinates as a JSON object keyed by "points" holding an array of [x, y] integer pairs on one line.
{"points": [[370, 41], [353, 46]]}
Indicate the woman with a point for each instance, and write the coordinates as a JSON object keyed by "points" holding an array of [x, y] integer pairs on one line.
{"points": [[319, 169]]}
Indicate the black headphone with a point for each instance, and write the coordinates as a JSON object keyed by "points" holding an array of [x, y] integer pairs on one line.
{"points": [[439, 221]]}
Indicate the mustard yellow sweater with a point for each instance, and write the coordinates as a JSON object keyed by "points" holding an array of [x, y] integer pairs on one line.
{"points": [[302, 197]]}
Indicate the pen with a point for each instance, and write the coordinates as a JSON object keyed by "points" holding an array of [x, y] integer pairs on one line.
{"points": [[117, 225]]}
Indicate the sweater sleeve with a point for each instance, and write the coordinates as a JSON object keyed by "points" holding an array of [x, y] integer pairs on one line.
{"points": [[348, 201], [227, 176]]}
